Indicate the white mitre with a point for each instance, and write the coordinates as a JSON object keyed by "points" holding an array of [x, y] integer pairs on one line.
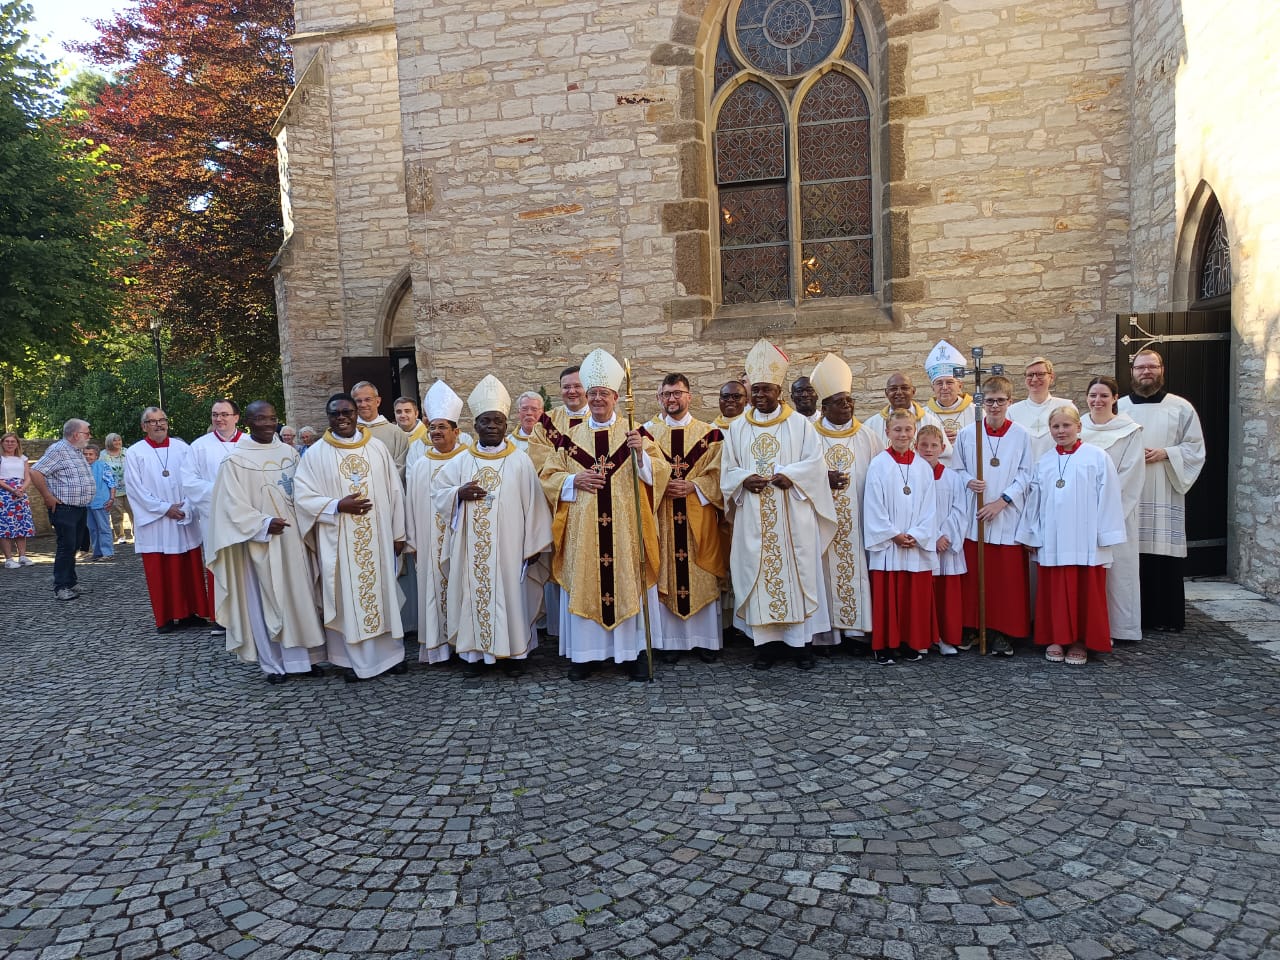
{"points": [[600, 369], [831, 376], [489, 396], [441, 403], [766, 364], [942, 361]]}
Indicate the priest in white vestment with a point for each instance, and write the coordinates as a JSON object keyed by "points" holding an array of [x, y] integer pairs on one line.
{"points": [[1032, 414], [1174, 454], [497, 531], [348, 496], [167, 536], [901, 394], [427, 529], [777, 489], [847, 448], [264, 581], [1121, 437]]}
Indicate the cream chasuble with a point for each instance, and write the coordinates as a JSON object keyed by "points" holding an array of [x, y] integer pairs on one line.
{"points": [[264, 584], [849, 450], [1121, 438], [356, 553], [779, 536], [1171, 424], [492, 598], [200, 470], [426, 530], [395, 440], [152, 475]]}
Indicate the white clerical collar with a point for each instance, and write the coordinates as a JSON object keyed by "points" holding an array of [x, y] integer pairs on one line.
{"points": [[374, 422], [585, 411], [521, 434], [597, 425], [833, 428], [498, 449], [682, 422]]}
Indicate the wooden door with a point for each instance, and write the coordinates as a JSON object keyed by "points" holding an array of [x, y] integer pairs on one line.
{"points": [[378, 371], [1196, 346]]}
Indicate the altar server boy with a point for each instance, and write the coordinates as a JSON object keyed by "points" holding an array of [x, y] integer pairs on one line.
{"points": [[954, 507]]}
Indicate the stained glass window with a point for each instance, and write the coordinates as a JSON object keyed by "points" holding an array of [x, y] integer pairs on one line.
{"points": [[1215, 263], [856, 52], [726, 66], [789, 37]]}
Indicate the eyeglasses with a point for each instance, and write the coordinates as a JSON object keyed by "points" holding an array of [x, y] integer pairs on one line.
{"points": [[1036, 376], [599, 394], [1147, 367], [996, 403], [220, 415], [672, 394], [342, 412], [155, 423]]}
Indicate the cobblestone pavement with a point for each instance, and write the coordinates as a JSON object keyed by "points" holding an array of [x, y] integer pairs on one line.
{"points": [[161, 799]]}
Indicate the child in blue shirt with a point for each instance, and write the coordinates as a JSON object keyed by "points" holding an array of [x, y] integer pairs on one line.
{"points": [[104, 498]]}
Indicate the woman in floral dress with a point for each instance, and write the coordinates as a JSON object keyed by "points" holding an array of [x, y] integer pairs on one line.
{"points": [[15, 508]]}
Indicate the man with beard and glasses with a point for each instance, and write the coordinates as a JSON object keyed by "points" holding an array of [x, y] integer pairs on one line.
{"points": [[1174, 454]]}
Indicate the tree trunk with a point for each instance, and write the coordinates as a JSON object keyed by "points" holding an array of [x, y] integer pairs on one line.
{"points": [[10, 404]]}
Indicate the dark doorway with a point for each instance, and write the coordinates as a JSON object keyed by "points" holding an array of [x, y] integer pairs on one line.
{"points": [[1196, 346], [378, 371]]}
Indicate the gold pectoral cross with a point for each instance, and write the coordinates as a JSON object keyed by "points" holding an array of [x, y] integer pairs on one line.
{"points": [[601, 462]]}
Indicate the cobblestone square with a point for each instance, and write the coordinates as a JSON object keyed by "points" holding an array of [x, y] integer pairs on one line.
{"points": [[161, 799]]}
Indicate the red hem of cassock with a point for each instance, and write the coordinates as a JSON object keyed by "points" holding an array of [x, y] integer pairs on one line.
{"points": [[902, 610], [176, 583], [948, 598], [1008, 588], [1071, 607]]}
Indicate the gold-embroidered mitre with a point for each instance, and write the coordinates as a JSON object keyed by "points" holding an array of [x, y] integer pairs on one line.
{"points": [[600, 369], [766, 364], [489, 396], [831, 376]]}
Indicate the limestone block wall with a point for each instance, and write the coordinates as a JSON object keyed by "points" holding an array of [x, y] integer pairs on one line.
{"points": [[1213, 110], [550, 146]]}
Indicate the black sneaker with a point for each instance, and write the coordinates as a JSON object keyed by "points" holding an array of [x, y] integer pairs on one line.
{"points": [[1000, 647], [884, 657], [910, 655], [638, 669]]}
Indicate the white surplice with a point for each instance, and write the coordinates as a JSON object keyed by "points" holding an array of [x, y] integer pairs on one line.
{"points": [[1073, 514], [1011, 476], [1121, 438], [356, 554], [425, 530], [151, 494], [1174, 425], [850, 451], [779, 536], [264, 584], [875, 425], [900, 499], [200, 470], [1034, 418], [494, 595], [955, 507]]}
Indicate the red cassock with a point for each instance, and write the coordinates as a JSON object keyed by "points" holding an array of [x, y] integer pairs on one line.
{"points": [[176, 582], [1008, 588], [902, 610], [948, 595], [1071, 607]]}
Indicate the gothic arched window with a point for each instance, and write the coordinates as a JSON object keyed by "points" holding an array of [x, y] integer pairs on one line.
{"points": [[1213, 279], [792, 112]]}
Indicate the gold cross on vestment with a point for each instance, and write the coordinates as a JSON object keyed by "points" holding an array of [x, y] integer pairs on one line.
{"points": [[679, 518], [601, 462], [682, 593], [679, 466], [604, 519], [682, 555], [605, 560], [607, 599]]}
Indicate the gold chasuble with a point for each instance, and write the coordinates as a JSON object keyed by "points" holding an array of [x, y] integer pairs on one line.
{"points": [[694, 555], [596, 544], [548, 433]]}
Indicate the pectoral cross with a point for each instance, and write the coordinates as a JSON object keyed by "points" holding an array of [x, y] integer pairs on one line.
{"points": [[601, 462]]}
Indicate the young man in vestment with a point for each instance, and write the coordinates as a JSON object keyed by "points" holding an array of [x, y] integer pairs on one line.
{"points": [[777, 489], [901, 394], [1072, 519], [1173, 450], [1006, 455], [368, 401], [693, 556], [900, 525], [200, 470], [165, 523], [347, 495], [427, 528], [1032, 413], [733, 400], [955, 506], [949, 402], [497, 527], [590, 480], [264, 587], [409, 419], [848, 450]]}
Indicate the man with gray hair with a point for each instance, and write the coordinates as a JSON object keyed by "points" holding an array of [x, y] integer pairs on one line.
{"points": [[367, 399], [306, 437], [529, 410], [65, 482]]}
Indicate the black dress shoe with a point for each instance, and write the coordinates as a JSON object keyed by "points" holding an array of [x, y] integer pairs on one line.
{"points": [[350, 676], [763, 661], [167, 627], [315, 671], [580, 671], [275, 679], [805, 660], [513, 668], [474, 668], [708, 656], [669, 657], [638, 669], [399, 668]]}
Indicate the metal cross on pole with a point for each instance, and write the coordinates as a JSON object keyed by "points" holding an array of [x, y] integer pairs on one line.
{"points": [[962, 373]]}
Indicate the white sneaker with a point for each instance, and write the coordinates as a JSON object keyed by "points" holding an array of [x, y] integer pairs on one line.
{"points": [[11, 564], [947, 650], [26, 562]]}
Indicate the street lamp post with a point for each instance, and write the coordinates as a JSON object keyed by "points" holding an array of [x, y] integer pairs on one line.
{"points": [[155, 341]]}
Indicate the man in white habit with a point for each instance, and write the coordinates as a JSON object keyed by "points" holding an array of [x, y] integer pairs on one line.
{"points": [[368, 401], [200, 470], [848, 450], [1174, 452], [498, 528], [590, 478], [426, 529], [777, 490], [348, 495], [164, 520], [1032, 414], [949, 402], [264, 587], [901, 394]]}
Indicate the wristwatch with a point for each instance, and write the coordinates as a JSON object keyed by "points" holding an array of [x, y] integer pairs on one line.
{"points": [[1007, 499]]}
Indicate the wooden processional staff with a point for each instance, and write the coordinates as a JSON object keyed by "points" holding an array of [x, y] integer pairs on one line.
{"points": [[976, 371], [644, 564]]}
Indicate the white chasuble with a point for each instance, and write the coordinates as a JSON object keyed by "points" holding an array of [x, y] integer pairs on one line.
{"points": [[152, 475], [199, 471], [848, 450], [779, 536], [494, 593], [1073, 514], [1171, 424], [900, 499], [393, 438], [264, 584], [1006, 470], [356, 553], [1034, 418], [425, 530], [1121, 438]]}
